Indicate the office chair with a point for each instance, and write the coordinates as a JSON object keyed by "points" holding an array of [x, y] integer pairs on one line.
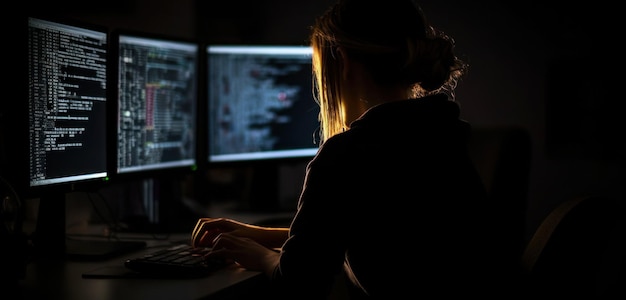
{"points": [[578, 251], [502, 156]]}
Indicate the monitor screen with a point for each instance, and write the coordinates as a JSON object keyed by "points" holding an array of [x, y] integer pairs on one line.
{"points": [[156, 108], [67, 79], [260, 103]]}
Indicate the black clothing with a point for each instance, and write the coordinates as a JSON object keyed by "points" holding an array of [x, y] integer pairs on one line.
{"points": [[397, 199]]}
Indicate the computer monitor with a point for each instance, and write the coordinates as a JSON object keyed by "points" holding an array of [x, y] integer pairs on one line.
{"points": [[262, 119], [67, 103], [67, 122], [156, 103], [156, 91], [260, 103], [154, 117]]}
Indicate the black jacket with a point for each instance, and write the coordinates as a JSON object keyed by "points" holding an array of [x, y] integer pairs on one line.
{"points": [[396, 200]]}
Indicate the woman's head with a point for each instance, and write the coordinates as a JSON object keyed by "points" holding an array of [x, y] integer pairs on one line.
{"points": [[392, 40]]}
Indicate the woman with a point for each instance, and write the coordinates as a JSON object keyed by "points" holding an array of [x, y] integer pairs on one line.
{"points": [[391, 197]]}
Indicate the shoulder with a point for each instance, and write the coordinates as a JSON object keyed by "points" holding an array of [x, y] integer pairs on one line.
{"points": [[341, 144], [336, 153]]}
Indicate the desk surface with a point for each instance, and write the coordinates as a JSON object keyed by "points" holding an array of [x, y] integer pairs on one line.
{"points": [[62, 279]]}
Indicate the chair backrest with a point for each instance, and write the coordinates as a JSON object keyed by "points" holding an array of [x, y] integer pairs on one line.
{"points": [[578, 250], [502, 156]]}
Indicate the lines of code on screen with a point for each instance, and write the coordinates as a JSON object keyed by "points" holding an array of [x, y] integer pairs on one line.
{"points": [[261, 103], [67, 102], [157, 103]]}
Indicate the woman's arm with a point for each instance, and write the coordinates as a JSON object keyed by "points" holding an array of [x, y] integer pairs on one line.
{"points": [[271, 237]]}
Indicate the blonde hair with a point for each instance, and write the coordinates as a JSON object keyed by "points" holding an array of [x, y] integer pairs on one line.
{"points": [[395, 43]]}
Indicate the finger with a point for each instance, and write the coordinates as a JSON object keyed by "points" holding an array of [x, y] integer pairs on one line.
{"points": [[208, 236], [196, 231], [201, 227]]}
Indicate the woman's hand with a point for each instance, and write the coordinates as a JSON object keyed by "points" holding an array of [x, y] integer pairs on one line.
{"points": [[245, 251], [207, 229]]}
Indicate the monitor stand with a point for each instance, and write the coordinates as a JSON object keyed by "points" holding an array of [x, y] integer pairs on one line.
{"points": [[264, 184], [262, 190], [51, 242]]}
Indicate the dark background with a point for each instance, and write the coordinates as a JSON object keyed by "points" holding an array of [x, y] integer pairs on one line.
{"points": [[542, 65]]}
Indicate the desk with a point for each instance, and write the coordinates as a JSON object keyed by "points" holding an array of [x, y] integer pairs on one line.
{"points": [[62, 279]]}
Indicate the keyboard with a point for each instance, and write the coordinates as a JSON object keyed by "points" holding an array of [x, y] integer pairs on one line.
{"points": [[176, 261]]}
